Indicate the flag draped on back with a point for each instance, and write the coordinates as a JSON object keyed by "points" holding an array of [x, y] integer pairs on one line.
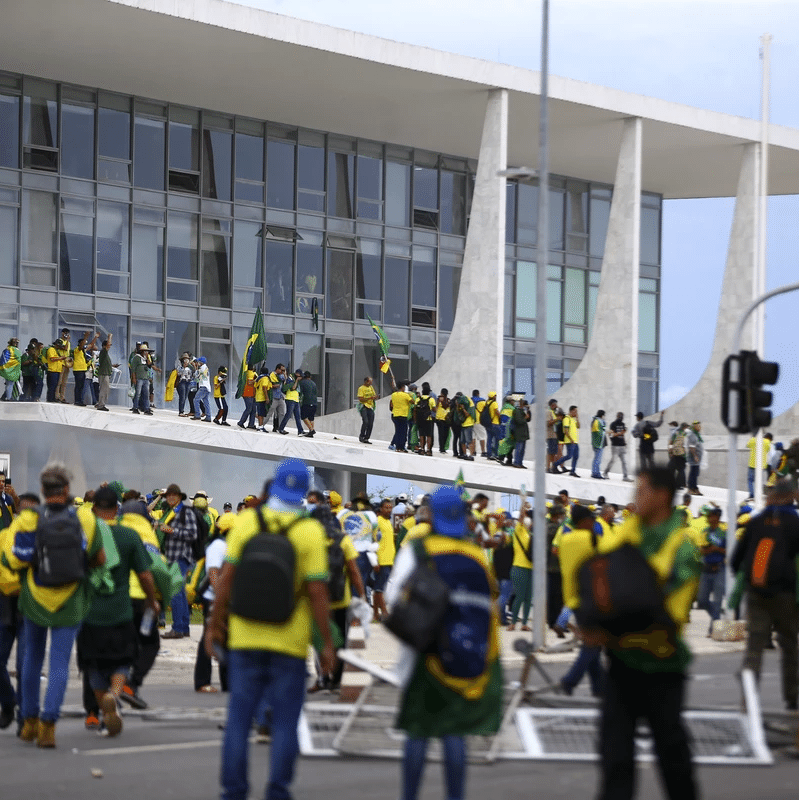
{"points": [[254, 352]]}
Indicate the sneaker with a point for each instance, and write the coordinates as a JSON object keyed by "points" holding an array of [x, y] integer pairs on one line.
{"points": [[148, 413], [173, 634], [239, 425], [605, 476], [392, 447], [92, 722], [627, 480], [101, 408], [134, 410], [574, 475], [264, 735], [132, 698], [217, 422], [111, 717], [6, 717], [226, 424], [284, 433]]}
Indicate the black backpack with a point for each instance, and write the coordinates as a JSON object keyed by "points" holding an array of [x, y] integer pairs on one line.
{"points": [[769, 565], [558, 426], [336, 561], [485, 414], [263, 586], [60, 549], [199, 544], [650, 432], [423, 412]]}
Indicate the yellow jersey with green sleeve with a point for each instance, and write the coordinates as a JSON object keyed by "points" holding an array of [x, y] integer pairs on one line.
{"points": [[78, 360], [571, 430], [292, 392], [752, 445], [262, 387], [386, 550], [400, 404], [521, 543], [310, 545], [350, 554], [367, 395], [217, 387], [441, 412], [470, 411], [54, 364]]}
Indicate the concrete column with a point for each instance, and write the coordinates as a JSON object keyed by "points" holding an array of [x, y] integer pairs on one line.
{"points": [[737, 292], [473, 355], [607, 377], [346, 483]]}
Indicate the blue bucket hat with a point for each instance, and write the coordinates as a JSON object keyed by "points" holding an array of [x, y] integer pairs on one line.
{"points": [[291, 482], [201, 360], [449, 512]]}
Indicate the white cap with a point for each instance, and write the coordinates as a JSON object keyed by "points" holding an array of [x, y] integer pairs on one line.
{"points": [[514, 514], [418, 500], [403, 497]]}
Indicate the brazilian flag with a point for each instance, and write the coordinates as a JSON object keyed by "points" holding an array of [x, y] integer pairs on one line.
{"points": [[382, 340], [254, 352]]}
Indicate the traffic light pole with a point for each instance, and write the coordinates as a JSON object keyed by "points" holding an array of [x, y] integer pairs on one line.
{"points": [[732, 445]]}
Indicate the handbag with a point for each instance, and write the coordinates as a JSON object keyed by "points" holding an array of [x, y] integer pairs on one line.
{"points": [[418, 614]]}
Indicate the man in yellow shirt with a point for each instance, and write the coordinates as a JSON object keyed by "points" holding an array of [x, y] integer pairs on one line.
{"points": [[386, 550], [400, 406], [571, 438], [262, 386], [366, 397], [752, 445], [55, 357], [265, 656], [81, 358]]}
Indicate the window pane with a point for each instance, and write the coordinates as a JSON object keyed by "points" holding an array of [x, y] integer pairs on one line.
{"points": [[526, 289], [308, 354], [280, 174], [216, 271], [368, 278], [184, 145], [9, 131], [40, 116], [217, 164], [338, 382], [340, 184], [553, 311], [367, 362], [114, 133], [422, 358], [395, 304], [8, 246], [398, 191], [311, 178], [148, 256], [182, 292], [577, 208], [528, 213], [339, 284], [181, 253], [575, 297], [112, 236], [425, 188], [424, 284], [647, 322], [556, 198], [148, 156], [370, 178], [453, 203], [650, 236], [600, 215], [181, 337], [249, 157], [39, 227], [448, 287], [77, 141], [279, 271], [76, 254], [510, 211], [509, 312], [525, 330], [309, 269], [248, 242]]}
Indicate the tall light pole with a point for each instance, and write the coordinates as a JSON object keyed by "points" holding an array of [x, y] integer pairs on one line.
{"points": [[540, 408]]}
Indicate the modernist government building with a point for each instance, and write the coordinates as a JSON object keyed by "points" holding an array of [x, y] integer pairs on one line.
{"points": [[168, 167]]}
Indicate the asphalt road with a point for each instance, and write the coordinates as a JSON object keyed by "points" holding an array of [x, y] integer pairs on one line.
{"points": [[158, 759]]}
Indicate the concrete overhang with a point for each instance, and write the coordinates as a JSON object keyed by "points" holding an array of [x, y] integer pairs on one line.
{"points": [[238, 60]]}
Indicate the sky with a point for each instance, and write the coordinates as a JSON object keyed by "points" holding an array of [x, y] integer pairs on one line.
{"points": [[705, 53]]}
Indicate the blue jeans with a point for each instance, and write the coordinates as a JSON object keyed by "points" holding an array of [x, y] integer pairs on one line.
{"points": [[9, 389], [365, 568], [61, 641], [573, 453], [141, 398], [596, 464], [505, 589], [180, 605], [80, 383], [367, 423], [518, 453], [292, 410], [248, 417], [711, 583], [183, 393], [563, 618], [494, 436], [10, 629], [750, 480], [400, 432], [52, 385], [413, 763], [693, 476], [202, 397], [250, 674], [588, 660]]}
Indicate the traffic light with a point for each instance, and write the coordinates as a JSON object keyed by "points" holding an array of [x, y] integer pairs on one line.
{"points": [[744, 404]]}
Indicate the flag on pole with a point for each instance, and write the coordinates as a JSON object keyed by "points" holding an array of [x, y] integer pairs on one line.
{"points": [[254, 352], [382, 341], [385, 364], [460, 485]]}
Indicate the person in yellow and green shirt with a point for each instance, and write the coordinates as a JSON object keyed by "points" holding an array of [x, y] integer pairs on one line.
{"points": [[263, 385], [386, 551], [248, 395], [59, 610], [292, 392], [270, 657], [55, 356], [81, 358], [400, 406], [467, 414], [220, 392], [521, 574], [571, 438], [752, 445], [366, 398]]}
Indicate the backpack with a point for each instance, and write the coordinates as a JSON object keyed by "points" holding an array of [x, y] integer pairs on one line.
{"points": [[423, 412], [650, 433], [558, 427], [263, 586], [60, 549], [771, 567], [621, 594], [485, 414], [678, 444], [336, 561], [199, 544]]}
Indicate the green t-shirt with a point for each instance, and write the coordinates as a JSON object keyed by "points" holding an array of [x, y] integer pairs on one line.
{"points": [[115, 608]]}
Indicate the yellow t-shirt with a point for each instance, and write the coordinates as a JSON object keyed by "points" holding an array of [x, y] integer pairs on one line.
{"points": [[571, 430], [57, 365], [469, 421], [366, 395], [521, 541], [441, 412], [217, 387], [400, 404], [575, 547], [262, 386], [752, 445], [78, 360], [291, 638], [350, 554], [385, 548], [292, 393]]}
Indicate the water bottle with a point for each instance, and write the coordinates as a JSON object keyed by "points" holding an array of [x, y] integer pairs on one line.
{"points": [[147, 620]]}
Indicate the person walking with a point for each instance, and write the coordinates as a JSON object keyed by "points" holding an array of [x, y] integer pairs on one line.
{"points": [[696, 449], [220, 390], [598, 442], [571, 438], [202, 401], [309, 398], [292, 392], [618, 446], [521, 573], [644, 431], [713, 548], [400, 405], [442, 425], [366, 398]]}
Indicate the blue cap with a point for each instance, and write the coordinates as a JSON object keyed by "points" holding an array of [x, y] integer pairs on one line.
{"points": [[449, 512], [202, 360], [291, 482]]}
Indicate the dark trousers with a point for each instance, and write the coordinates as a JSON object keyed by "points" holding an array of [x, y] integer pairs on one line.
{"points": [[10, 629], [677, 465], [52, 385], [443, 432], [647, 458], [589, 660], [80, 382], [148, 647], [221, 404], [658, 697], [456, 441], [400, 439], [554, 597], [367, 423], [693, 476], [202, 664], [339, 616]]}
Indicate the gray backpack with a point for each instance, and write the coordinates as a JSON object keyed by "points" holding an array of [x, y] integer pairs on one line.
{"points": [[60, 549]]}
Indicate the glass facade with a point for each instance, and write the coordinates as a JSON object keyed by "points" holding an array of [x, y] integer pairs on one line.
{"points": [[172, 224]]}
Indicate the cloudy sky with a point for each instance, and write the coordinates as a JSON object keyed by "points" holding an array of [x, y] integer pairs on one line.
{"points": [[704, 53]]}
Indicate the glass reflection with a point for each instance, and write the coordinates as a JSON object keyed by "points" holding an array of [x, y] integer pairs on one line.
{"points": [[9, 131], [40, 118], [279, 174], [114, 133], [248, 245], [77, 253], [216, 271], [338, 382], [309, 268], [279, 263], [8, 246], [181, 253], [148, 256], [340, 184], [39, 243], [311, 178], [217, 164], [77, 141], [339, 284], [112, 236], [148, 157], [448, 288], [398, 193], [395, 303]]}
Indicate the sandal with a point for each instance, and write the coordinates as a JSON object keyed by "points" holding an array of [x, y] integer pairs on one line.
{"points": [[207, 690], [525, 628], [512, 627]]}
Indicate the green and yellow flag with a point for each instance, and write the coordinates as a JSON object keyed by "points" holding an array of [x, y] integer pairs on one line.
{"points": [[382, 341], [460, 485], [254, 352]]}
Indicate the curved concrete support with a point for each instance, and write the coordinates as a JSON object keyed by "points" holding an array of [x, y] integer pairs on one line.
{"points": [[607, 376], [703, 401], [473, 354]]}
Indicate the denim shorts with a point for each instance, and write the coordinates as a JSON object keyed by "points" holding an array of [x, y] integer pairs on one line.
{"points": [[552, 447], [260, 408], [381, 578], [467, 434]]}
